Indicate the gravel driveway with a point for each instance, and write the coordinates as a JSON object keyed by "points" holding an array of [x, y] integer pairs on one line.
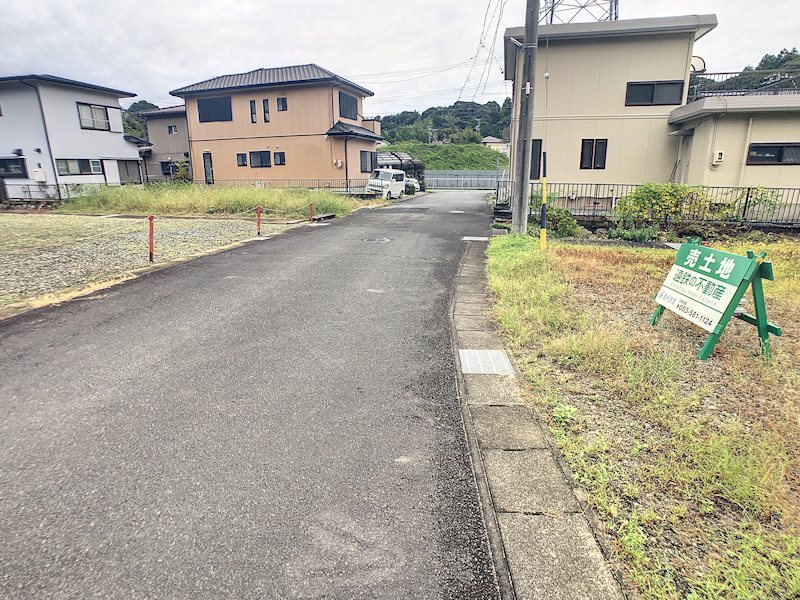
{"points": [[41, 254]]}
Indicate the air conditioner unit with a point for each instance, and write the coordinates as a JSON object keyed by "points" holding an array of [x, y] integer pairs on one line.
{"points": [[719, 156]]}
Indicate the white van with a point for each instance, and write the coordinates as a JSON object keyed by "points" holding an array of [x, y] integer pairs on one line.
{"points": [[387, 183]]}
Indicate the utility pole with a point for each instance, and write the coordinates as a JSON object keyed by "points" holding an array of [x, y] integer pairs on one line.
{"points": [[522, 165]]}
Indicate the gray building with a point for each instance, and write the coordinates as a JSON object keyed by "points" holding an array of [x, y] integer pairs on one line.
{"points": [[168, 133]]}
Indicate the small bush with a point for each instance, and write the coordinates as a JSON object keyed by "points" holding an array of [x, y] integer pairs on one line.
{"points": [[661, 203], [410, 189], [634, 234]]}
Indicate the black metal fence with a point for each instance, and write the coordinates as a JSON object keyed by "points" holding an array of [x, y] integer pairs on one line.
{"points": [[600, 201]]}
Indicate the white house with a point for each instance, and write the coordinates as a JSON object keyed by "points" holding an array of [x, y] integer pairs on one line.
{"points": [[496, 144], [56, 130]]}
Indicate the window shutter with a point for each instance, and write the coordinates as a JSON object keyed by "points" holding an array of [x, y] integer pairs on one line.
{"points": [[364, 161]]}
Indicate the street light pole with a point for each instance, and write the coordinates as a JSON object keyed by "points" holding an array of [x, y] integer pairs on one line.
{"points": [[522, 165]]}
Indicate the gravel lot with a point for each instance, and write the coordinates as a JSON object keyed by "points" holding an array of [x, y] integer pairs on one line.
{"points": [[41, 254]]}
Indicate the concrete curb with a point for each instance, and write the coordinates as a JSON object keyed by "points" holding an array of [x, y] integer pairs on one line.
{"points": [[543, 536], [495, 541]]}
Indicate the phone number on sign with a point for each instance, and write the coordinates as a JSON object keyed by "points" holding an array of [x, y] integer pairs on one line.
{"points": [[692, 313]]}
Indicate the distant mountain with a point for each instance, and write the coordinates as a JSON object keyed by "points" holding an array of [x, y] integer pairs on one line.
{"points": [[463, 122]]}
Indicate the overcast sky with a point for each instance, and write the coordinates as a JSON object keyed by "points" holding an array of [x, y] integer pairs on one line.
{"points": [[420, 56]]}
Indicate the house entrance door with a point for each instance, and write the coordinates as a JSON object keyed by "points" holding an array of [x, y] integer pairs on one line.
{"points": [[208, 167]]}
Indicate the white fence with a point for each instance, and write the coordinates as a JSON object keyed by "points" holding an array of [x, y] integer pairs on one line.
{"points": [[466, 180]]}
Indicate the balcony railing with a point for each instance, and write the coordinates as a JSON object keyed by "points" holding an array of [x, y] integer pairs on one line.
{"points": [[744, 83]]}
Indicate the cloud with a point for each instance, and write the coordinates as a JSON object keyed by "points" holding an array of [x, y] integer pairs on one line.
{"points": [[151, 48]]}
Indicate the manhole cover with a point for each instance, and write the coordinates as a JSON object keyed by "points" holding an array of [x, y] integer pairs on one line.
{"points": [[377, 240]]}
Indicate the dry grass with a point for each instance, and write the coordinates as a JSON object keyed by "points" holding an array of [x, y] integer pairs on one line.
{"points": [[191, 199], [692, 466]]}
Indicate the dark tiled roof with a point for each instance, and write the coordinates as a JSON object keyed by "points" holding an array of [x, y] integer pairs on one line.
{"points": [[260, 78], [343, 129], [69, 82], [136, 140], [169, 111]]}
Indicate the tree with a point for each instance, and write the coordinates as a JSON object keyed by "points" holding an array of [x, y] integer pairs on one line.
{"points": [[448, 121], [466, 136], [132, 123]]}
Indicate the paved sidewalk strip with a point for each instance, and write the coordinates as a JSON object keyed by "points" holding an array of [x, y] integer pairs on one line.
{"points": [[549, 548], [555, 558]]}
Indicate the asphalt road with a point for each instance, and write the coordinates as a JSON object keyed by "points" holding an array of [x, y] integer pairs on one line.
{"points": [[276, 421]]}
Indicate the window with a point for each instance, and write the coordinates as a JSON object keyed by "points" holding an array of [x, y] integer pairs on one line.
{"points": [[260, 159], [214, 109], [282, 104], [654, 93], [369, 160], [593, 154], [13, 168], [79, 166], [280, 158], [265, 107], [253, 115], [348, 106], [94, 117], [399, 176], [167, 168], [241, 160], [536, 159], [774, 154], [172, 129]]}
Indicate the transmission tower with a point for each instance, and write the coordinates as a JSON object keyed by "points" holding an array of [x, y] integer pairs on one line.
{"points": [[569, 11]]}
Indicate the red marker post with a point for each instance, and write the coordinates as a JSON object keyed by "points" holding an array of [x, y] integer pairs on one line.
{"points": [[258, 220], [150, 218], [310, 213]]}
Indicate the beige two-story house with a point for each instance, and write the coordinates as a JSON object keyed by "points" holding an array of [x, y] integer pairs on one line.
{"points": [[289, 123], [619, 102], [602, 111]]}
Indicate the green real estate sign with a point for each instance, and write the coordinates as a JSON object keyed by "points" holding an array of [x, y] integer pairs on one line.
{"points": [[705, 286]]}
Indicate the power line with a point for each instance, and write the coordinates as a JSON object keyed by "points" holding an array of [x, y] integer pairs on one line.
{"points": [[486, 69], [478, 49]]}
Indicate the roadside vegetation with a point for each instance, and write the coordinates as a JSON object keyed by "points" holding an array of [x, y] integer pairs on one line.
{"points": [[190, 199], [452, 156], [693, 468]]}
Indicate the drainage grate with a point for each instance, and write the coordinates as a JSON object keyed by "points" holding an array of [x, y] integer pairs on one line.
{"points": [[485, 362], [377, 240]]}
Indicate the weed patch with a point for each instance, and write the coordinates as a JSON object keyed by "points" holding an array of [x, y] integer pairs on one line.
{"points": [[692, 467]]}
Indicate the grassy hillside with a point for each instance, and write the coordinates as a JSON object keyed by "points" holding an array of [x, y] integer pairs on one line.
{"points": [[452, 156]]}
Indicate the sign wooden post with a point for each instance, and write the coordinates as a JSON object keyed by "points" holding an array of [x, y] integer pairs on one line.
{"points": [[705, 287]]}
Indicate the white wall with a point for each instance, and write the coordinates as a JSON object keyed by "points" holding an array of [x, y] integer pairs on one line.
{"points": [[733, 134], [68, 140], [21, 127], [584, 98]]}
